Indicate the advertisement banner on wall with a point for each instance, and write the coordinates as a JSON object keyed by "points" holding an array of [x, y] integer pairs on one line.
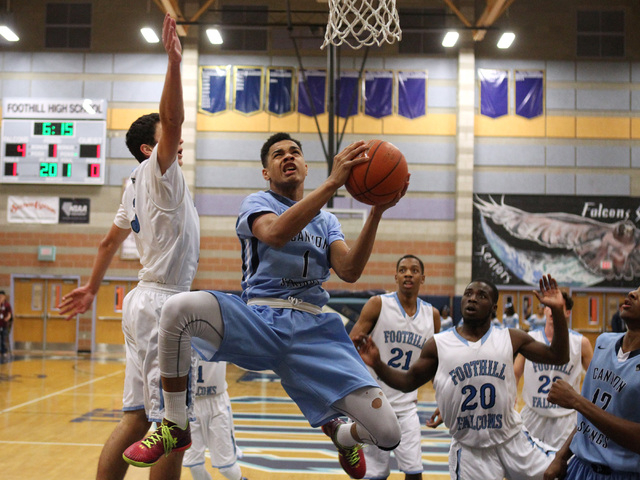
{"points": [[23, 209], [74, 210], [581, 241]]}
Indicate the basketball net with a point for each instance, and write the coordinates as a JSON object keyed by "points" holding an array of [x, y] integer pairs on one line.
{"points": [[361, 23]]}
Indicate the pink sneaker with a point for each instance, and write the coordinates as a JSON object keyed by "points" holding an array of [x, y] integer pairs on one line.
{"points": [[351, 458], [167, 438]]}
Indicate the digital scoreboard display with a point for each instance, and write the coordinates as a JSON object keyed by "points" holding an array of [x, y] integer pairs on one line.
{"points": [[64, 142]]}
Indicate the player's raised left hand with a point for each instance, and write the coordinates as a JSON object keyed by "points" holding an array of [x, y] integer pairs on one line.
{"points": [[549, 293]]}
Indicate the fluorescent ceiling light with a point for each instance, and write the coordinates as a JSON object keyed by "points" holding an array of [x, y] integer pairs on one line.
{"points": [[149, 35], [506, 40], [8, 34], [450, 39], [214, 36]]}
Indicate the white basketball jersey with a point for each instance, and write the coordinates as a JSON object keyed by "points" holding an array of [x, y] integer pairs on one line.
{"points": [[160, 211], [400, 338], [209, 378], [476, 387], [538, 377]]}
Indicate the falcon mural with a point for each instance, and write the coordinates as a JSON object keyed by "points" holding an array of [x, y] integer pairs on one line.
{"points": [[575, 249]]}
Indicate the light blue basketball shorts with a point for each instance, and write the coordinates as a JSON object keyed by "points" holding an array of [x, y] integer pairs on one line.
{"points": [[312, 354]]}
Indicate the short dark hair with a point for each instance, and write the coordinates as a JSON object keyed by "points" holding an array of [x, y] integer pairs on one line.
{"points": [[410, 256], [142, 132], [275, 138], [491, 285], [568, 301]]}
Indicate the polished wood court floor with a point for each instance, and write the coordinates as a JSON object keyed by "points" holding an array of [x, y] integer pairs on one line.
{"points": [[56, 412]]}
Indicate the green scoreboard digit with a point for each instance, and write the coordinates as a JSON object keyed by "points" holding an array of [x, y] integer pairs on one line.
{"points": [[53, 141]]}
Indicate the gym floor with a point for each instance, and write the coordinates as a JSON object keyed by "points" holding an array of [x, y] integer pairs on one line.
{"points": [[57, 411]]}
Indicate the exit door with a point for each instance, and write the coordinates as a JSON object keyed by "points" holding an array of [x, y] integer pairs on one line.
{"points": [[38, 326]]}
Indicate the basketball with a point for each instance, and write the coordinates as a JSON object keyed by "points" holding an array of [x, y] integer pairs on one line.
{"points": [[379, 180]]}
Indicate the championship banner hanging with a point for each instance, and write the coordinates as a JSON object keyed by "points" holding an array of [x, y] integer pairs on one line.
{"points": [[280, 90], [316, 83], [581, 241], [529, 93], [214, 88], [412, 94], [494, 92], [32, 209], [347, 90], [247, 89], [378, 93]]}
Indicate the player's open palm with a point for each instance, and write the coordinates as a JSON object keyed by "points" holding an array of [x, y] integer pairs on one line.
{"points": [[170, 39], [75, 302], [549, 293]]}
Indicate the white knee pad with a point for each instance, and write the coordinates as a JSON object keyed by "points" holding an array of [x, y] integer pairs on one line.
{"points": [[376, 422]]}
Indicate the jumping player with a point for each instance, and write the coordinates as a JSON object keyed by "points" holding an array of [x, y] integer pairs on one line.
{"points": [[400, 323], [288, 246], [213, 427], [472, 371], [544, 420], [158, 207], [606, 442]]}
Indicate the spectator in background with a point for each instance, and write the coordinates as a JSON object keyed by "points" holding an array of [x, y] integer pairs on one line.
{"points": [[617, 323], [6, 321], [510, 317], [538, 319], [446, 322]]}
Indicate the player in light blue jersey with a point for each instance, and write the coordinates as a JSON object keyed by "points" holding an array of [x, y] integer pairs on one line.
{"points": [[606, 442], [288, 246]]}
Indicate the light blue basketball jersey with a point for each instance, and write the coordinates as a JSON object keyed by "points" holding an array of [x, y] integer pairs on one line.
{"points": [[613, 386], [296, 270]]}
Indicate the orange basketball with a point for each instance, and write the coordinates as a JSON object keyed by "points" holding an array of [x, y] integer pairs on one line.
{"points": [[379, 180]]}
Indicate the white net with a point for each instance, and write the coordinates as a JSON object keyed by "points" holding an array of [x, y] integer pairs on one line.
{"points": [[361, 23]]}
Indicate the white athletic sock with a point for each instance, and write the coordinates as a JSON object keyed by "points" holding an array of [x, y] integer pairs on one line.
{"points": [[232, 473], [199, 472], [344, 436], [175, 407]]}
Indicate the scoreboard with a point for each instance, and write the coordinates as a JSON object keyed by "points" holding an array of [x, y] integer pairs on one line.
{"points": [[53, 141]]}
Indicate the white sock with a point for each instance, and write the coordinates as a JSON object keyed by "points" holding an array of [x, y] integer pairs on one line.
{"points": [[175, 407], [199, 472], [344, 436], [232, 473]]}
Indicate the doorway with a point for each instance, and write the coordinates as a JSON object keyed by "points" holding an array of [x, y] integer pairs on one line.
{"points": [[38, 326]]}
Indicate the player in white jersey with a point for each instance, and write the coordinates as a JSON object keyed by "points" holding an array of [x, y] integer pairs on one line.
{"points": [[213, 426], [399, 323], [472, 371], [289, 246], [158, 207], [605, 444], [544, 420]]}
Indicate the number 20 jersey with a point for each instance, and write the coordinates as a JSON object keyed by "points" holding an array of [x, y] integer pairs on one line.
{"points": [[476, 387], [400, 339]]}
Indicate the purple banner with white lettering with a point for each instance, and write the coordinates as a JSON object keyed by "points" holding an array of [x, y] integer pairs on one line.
{"points": [[378, 94], [247, 89], [214, 89], [316, 87], [412, 94], [280, 94], [529, 93], [581, 241], [347, 92], [494, 92]]}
